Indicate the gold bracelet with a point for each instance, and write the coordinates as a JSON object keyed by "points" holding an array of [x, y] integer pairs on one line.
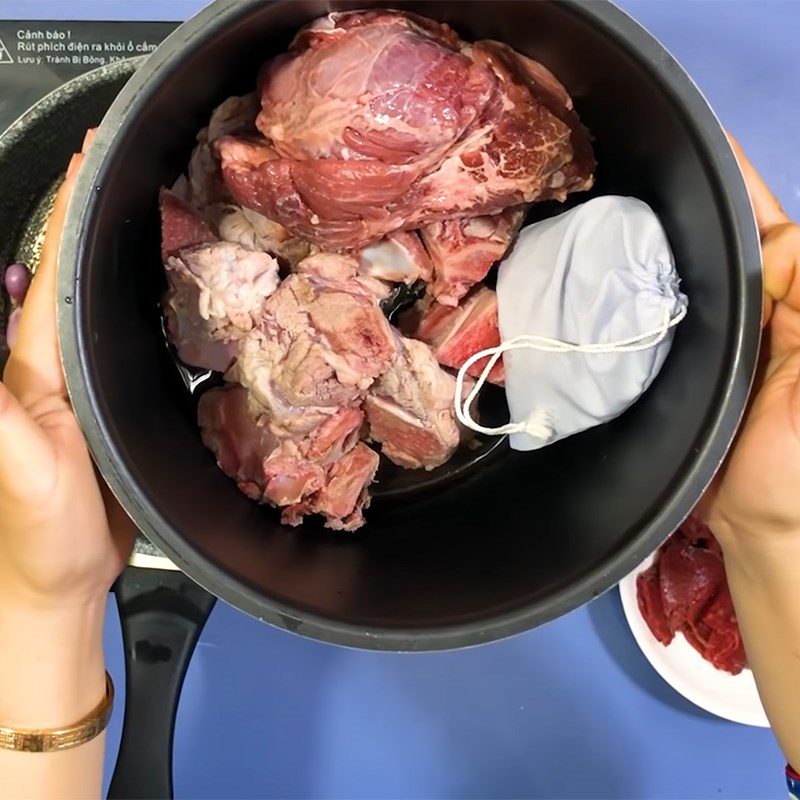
{"points": [[48, 741]]}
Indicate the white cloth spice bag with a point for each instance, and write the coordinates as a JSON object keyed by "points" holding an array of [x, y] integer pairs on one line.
{"points": [[587, 302]]}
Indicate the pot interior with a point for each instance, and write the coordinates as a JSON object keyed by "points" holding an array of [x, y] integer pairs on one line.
{"points": [[519, 539]]}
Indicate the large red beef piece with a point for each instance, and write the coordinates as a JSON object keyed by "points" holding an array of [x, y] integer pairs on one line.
{"points": [[385, 121], [380, 86], [685, 590]]}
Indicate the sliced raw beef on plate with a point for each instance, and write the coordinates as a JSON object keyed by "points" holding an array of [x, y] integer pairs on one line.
{"points": [[685, 590]]}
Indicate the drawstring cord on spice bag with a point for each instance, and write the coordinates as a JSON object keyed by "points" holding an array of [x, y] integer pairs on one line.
{"points": [[539, 424]]}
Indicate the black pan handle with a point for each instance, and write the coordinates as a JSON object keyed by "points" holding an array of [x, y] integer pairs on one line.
{"points": [[162, 614]]}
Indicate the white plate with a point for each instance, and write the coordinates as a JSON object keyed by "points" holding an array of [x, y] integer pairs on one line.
{"points": [[732, 697]]}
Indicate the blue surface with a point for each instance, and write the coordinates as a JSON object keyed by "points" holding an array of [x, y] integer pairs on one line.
{"points": [[568, 710]]}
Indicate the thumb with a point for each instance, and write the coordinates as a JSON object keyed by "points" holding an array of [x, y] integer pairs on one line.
{"points": [[768, 211], [34, 369], [26, 455]]}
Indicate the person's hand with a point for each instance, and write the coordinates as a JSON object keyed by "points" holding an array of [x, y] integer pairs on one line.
{"points": [[753, 506], [756, 498], [63, 540], [57, 546]]}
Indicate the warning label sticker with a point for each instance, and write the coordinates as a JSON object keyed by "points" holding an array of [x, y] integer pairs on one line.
{"points": [[5, 56], [36, 46], [37, 56]]}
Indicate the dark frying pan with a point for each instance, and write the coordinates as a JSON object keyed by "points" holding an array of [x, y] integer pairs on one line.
{"points": [[162, 611]]}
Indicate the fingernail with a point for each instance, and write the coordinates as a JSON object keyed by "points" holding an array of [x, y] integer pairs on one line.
{"points": [[74, 164], [12, 327], [88, 139]]}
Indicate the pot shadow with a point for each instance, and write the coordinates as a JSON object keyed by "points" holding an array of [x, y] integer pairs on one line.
{"points": [[608, 620]]}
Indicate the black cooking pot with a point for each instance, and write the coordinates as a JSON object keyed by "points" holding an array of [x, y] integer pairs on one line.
{"points": [[520, 538]]}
